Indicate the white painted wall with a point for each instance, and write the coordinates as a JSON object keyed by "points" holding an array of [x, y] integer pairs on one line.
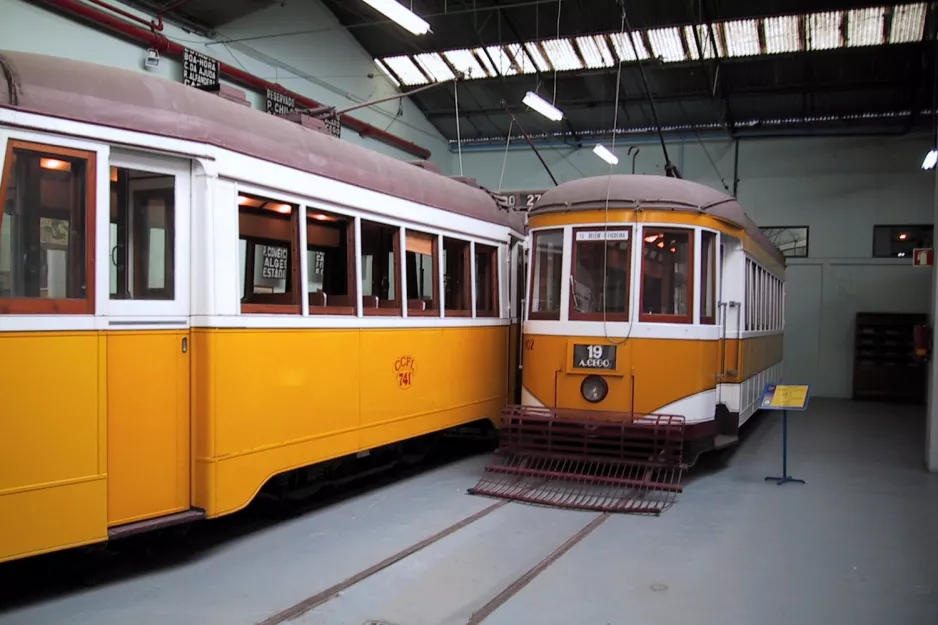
{"points": [[334, 68], [838, 187]]}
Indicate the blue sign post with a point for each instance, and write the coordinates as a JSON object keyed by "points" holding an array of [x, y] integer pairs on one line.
{"points": [[784, 397]]}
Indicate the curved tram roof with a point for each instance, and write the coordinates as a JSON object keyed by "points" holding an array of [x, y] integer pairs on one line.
{"points": [[131, 100], [629, 191]]}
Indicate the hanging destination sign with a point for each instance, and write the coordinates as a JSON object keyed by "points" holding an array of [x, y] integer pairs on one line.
{"points": [[518, 200], [277, 103], [334, 126], [199, 70]]}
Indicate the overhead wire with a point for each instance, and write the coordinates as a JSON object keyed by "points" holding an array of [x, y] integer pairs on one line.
{"points": [[634, 229]]}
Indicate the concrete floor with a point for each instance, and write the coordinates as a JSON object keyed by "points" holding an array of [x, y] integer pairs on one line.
{"points": [[856, 545]]}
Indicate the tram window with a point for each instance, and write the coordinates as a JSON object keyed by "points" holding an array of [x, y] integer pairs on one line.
{"points": [[330, 268], [545, 283], [601, 257], [750, 294], [142, 235], [486, 281], [422, 277], [456, 277], [708, 282], [667, 267], [268, 245], [47, 202], [380, 249]]}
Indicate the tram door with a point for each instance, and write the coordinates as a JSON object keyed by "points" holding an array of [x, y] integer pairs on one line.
{"points": [[148, 427], [731, 296], [517, 258]]}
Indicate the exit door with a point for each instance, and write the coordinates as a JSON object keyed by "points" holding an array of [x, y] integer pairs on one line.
{"points": [[148, 431]]}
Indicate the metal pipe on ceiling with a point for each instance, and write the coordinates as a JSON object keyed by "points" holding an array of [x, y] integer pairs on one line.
{"points": [[170, 48], [589, 142]]}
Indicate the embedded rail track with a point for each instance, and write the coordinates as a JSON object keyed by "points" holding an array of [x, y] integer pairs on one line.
{"points": [[295, 613]]}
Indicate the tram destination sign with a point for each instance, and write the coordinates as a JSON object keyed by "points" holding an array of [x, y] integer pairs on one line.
{"points": [[518, 200], [280, 104], [594, 356], [199, 70]]}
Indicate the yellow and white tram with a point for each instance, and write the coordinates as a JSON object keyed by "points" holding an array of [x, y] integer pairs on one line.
{"points": [[651, 295], [196, 297]]}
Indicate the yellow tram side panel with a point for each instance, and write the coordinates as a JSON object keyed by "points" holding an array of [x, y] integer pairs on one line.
{"points": [[53, 446], [148, 425], [267, 401], [665, 370]]}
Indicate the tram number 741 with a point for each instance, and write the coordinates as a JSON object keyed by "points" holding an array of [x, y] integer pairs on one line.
{"points": [[594, 356]]}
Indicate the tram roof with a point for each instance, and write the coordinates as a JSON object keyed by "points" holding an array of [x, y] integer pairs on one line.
{"points": [[629, 191], [131, 100]]}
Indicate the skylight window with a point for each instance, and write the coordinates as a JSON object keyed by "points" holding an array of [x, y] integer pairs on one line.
{"points": [[703, 37], [865, 26], [384, 70], [464, 61], [824, 30], [486, 63], [626, 50], [742, 38], [908, 23], [561, 54], [535, 53], [522, 61], [503, 63], [782, 34], [595, 51], [435, 67], [666, 44], [409, 73]]}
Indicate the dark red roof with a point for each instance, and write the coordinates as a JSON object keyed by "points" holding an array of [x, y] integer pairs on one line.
{"points": [[131, 100]]}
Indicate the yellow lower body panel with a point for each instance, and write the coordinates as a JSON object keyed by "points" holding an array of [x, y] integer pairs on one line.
{"points": [[661, 371], [53, 463], [99, 429], [267, 401], [148, 443]]}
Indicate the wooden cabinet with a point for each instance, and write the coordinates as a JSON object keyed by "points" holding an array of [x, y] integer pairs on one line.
{"points": [[883, 366]]}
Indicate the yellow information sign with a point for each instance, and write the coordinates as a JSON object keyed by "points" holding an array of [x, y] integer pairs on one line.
{"points": [[785, 397]]}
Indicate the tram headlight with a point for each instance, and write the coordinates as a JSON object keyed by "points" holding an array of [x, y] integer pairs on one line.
{"points": [[594, 389]]}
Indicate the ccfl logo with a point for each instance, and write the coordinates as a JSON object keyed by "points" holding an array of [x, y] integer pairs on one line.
{"points": [[404, 368]]}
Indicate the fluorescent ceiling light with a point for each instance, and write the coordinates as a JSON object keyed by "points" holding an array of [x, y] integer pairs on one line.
{"points": [[542, 106], [601, 151], [930, 159], [402, 15]]}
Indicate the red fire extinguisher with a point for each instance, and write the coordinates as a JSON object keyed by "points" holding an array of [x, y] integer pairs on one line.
{"points": [[922, 342]]}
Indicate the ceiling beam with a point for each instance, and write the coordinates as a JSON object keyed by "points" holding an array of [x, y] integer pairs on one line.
{"points": [[688, 96]]}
